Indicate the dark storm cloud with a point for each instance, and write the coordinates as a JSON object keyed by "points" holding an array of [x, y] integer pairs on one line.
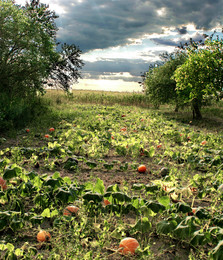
{"points": [[96, 70], [178, 41], [98, 24], [182, 30]]}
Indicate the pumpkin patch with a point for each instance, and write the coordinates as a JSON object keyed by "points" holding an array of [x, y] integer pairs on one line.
{"points": [[88, 182]]}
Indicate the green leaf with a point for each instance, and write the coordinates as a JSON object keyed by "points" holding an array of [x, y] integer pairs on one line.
{"points": [[3, 223], [121, 197], [19, 252], [3, 247], [96, 197], [11, 172], [108, 166], [37, 220], [217, 252], [91, 164], [124, 167], [116, 234], [46, 213], [67, 180], [143, 225], [10, 247], [99, 186], [55, 183], [182, 231], [165, 201], [71, 164], [155, 206], [3, 163], [63, 195], [152, 188], [198, 239], [32, 175], [113, 187], [151, 152], [56, 175], [165, 227], [138, 186], [182, 207], [201, 213], [17, 224]]}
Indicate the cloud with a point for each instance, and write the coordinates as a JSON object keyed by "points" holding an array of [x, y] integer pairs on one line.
{"points": [[182, 30], [125, 69], [177, 41], [100, 24], [120, 38]]}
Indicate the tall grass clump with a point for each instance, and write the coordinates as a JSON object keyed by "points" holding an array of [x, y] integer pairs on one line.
{"points": [[99, 97], [19, 112]]}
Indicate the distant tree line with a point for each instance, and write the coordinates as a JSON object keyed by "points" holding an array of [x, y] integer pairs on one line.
{"points": [[189, 75], [30, 57]]}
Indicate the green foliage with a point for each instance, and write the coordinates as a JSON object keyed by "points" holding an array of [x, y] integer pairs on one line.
{"points": [[159, 85], [148, 207], [191, 75], [27, 48], [201, 74], [29, 59]]}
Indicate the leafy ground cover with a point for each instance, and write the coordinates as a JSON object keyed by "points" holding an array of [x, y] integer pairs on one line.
{"points": [[88, 157]]}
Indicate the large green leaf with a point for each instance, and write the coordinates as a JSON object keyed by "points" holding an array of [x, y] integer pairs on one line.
{"points": [[198, 239], [155, 206], [121, 197], [143, 225], [11, 172], [165, 201], [96, 197], [165, 226], [63, 195], [99, 186], [182, 207]]}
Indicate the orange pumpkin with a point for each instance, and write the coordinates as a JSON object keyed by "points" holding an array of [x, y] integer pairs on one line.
{"points": [[128, 245], [106, 202], [142, 169], [43, 236], [70, 211], [192, 212], [3, 184]]}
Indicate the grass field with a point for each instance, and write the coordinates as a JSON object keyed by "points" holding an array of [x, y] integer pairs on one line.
{"points": [[85, 150]]}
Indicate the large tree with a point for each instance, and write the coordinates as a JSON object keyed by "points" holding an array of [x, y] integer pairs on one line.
{"points": [[28, 50], [201, 75], [30, 58]]}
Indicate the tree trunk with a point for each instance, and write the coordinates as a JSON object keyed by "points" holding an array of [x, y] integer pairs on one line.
{"points": [[196, 109]]}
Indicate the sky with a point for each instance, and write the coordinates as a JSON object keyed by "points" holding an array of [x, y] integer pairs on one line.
{"points": [[119, 39]]}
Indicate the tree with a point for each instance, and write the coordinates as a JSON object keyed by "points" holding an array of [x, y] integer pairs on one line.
{"points": [[201, 75], [28, 50], [65, 71], [159, 85], [29, 56]]}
